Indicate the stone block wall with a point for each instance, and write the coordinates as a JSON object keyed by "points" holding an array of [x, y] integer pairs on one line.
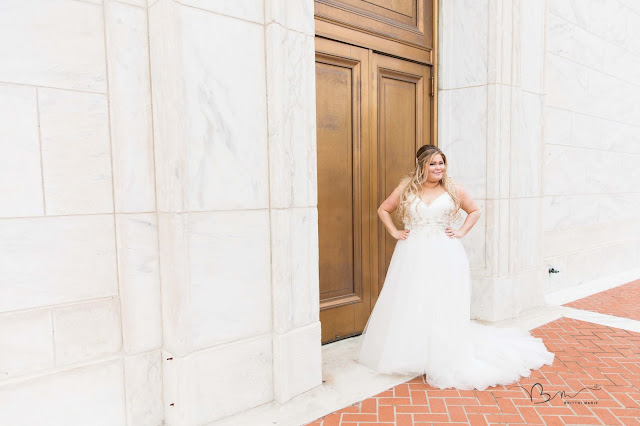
{"points": [[592, 140], [158, 210], [80, 314]]}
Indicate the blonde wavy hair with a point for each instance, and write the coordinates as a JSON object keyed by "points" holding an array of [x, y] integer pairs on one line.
{"points": [[412, 183]]}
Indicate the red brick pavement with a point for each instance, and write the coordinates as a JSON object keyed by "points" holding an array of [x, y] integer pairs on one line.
{"points": [[604, 359], [622, 301]]}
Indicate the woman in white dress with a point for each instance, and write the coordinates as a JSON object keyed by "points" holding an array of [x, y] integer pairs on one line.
{"points": [[421, 321]]}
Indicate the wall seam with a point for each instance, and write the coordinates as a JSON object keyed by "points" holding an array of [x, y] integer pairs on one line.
{"points": [[263, 23], [105, 30], [157, 214], [11, 83], [44, 199], [271, 279]]}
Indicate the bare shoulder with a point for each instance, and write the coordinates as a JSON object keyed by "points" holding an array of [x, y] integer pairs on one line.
{"points": [[392, 201], [466, 202], [403, 182], [461, 191]]}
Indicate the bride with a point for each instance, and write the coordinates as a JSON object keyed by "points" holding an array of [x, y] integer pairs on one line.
{"points": [[421, 321]]}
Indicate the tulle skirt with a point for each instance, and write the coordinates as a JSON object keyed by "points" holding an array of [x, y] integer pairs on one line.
{"points": [[421, 322]]}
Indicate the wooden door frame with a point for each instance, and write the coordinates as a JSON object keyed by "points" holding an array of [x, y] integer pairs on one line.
{"points": [[358, 303], [335, 26], [327, 27]]}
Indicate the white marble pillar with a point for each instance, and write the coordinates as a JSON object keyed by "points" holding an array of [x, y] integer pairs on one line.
{"points": [[234, 124], [293, 197], [491, 100]]}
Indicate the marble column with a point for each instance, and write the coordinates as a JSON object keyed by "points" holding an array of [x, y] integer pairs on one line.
{"points": [[491, 103], [234, 125], [293, 196]]}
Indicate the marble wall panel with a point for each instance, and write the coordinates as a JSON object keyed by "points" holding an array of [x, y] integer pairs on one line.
{"points": [[571, 10], [75, 152], [613, 207], [588, 131], [139, 3], [491, 214], [600, 178], [588, 49], [55, 43], [297, 361], [618, 257], [566, 84], [556, 213], [587, 237], [584, 266], [143, 389], [168, 105], [297, 15], [88, 330], [494, 135], [558, 126], [463, 136], [226, 123], [584, 210], [250, 10], [564, 169], [621, 137], [594, 38], [500, 25], [291, 105], [463, 46], [139, 278], [475, 241], [20, 173], [230, 276], [223, 374], [294, 260], [631, 42], [130, 108], [607, 20], [508, 127], [560, 36], [525, 249], [631, 4], [174, 273], [622, 63], [67, 398], [532, 45], [612, 98], [517, 35], [47, 261], [27, 342], [526, 145]]}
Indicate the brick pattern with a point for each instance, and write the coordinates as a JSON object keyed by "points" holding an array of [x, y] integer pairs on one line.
{"points": [[622, 301], [587, 355]]}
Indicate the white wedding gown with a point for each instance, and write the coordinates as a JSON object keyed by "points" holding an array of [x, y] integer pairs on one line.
{"points": [[421, 321]]}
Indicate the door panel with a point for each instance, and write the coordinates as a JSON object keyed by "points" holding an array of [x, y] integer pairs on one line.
{"points": [[409, 22], [343, 188], [401, 118], [372, 113]]}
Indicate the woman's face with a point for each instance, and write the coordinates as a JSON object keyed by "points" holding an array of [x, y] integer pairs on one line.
{"points": [[435, 168]]}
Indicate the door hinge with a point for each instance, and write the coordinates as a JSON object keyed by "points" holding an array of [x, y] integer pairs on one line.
{"points": [[433, 86]]}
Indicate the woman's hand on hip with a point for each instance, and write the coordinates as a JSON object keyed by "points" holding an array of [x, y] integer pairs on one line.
{"points": [[453, 233], [401, 234]]}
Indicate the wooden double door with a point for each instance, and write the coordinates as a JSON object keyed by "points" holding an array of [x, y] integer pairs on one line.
{"points": [[372, 113]]}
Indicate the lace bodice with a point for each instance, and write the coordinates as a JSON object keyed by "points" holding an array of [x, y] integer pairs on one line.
{"points": [[434, 217]]}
